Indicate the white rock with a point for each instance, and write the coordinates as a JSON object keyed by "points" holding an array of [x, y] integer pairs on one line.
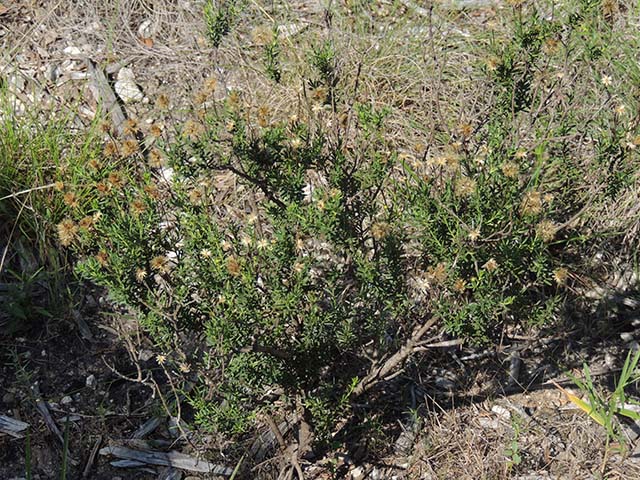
{"points": [[72, 50], [126, 87], [147, 29], [501, 412], [626, 337], [91, 381], [66, 400]]}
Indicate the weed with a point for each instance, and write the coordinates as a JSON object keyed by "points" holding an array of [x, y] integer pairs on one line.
{"points": [[605, 409], [219, 16]]}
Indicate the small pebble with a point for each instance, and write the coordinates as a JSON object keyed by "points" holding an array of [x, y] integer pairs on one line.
{"points": [[66, 400], [91, 381], [626, 336]]}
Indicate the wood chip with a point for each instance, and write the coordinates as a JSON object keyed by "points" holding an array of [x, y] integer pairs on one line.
{"points": [[168, 459], [11, 426]]}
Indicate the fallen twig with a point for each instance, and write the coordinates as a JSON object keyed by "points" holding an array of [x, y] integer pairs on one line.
{"points": [[167, 459]]}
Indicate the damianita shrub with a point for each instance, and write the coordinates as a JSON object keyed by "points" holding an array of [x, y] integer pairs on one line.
{"points": [[345, 246]]}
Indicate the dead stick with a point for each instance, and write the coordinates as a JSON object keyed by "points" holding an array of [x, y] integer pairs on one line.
{"points": [[378, 373], [92, 457]]}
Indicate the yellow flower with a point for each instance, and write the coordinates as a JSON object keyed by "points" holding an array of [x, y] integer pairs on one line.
{"points": [[184, 367], [205, 253], [606, 80], [67, 232], [161, 359]]}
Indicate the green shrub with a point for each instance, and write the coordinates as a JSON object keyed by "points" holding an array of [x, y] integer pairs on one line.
{"points": [[336, 246]]}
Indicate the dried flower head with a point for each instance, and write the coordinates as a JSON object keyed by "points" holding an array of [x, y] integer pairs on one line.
{"points": [[295, 143], [437, 274], [264, 115], [95, 164], [141, 274], [233, 267], [162, 102], [152, 190], [129, 147], [160, 264], [138, 206], [155, 158], [70, 199], [192, 130], [205, 253], [491, 265], [606, 80], [103, 188], [510, 170], [520, 154], [531, 203], [110, 149], [59, 186], [161, 359], [105, 126], [86, 223], [460, 285], [131, 126], [184, 367], [67, 232], [210, 85], [320, 94], [474, 234], [380, 230], [465, 130], [155, 130], [116, 179], [560, 275], [103, 258], [262, 35], [465, 187], [546, 230]]}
